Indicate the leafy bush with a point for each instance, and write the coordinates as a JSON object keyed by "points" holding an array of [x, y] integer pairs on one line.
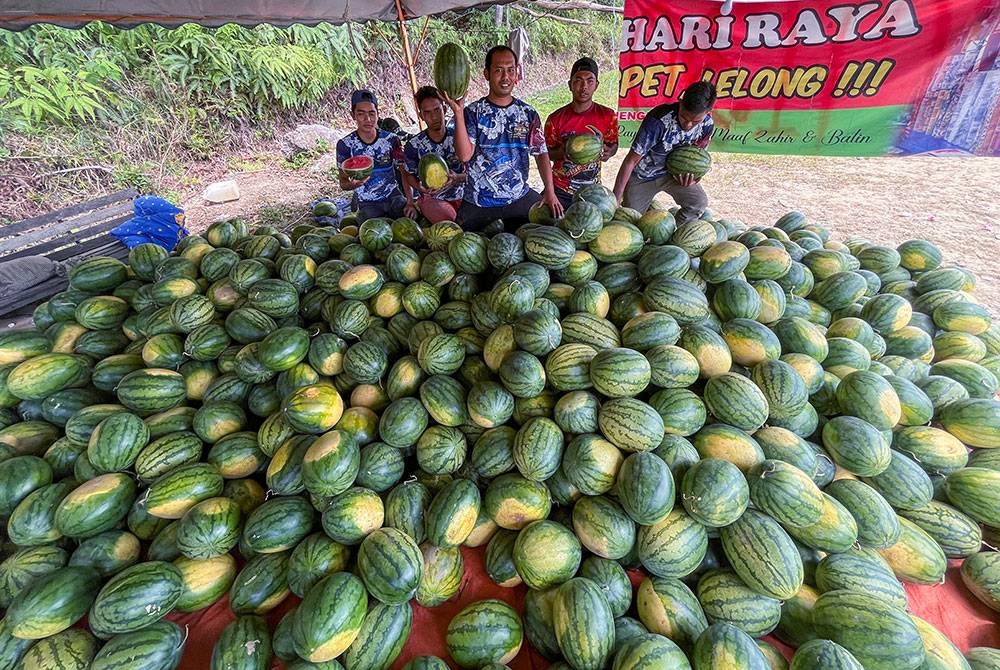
{"points": [[54, 75]]}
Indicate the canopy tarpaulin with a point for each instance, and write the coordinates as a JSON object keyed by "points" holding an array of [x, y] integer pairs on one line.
{"points": [[19, 14]]}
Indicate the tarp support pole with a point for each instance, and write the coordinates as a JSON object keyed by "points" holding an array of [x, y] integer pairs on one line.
{"points": [[407, 54]]}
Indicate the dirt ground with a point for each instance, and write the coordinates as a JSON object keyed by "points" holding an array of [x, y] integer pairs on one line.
{"points": [[954, 202]]}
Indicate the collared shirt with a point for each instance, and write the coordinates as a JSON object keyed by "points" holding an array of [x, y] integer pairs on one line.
{"points": [[387, 152], [563, 124], [421, 144], [661, 133], [503, 138]]}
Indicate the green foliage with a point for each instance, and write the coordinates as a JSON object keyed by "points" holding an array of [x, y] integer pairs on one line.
{"points": [[55, 75], [52, 94]]}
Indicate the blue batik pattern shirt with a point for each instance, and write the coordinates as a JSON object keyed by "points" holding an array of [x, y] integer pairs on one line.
{"points": [[421, 144], [504, 138], [387, 152], [661, 133]]}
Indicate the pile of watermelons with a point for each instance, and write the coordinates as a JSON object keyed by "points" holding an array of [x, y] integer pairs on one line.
{"points": [[775, 426]]}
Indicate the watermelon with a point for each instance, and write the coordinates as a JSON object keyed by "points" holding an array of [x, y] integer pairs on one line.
{"points": [[725, 645], [358, 168], [823, 654], [383, 633], [763, 555], [451, 70], [874, 632], [52, 603], [546, 554], [724, 597], [157, 647], [669, 608], [391, 565], [584, 148], [487, 631], [135, 597], [245, 643], [690, 160], [674, 547], [714, 492], [583, 623]]}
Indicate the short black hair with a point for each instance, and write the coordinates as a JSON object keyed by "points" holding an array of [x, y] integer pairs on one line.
{"points": [[698, 97], [389, 124], [426, 93], [498, 49]]}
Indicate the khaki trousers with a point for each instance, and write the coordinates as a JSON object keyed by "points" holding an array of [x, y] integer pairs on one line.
{"points": [[691, 199]]}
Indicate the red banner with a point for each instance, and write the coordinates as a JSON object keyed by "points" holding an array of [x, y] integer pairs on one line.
{"points": [[824, 76]]}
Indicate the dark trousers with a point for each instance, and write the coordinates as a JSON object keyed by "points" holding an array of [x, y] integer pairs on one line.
{"points": [[565, 197], [390, 209], [475, 218]]}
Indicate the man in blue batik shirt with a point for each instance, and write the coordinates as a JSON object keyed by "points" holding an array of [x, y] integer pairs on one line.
{"points": [[643, 173], [438, 139], [495, 136], [379, 194]]}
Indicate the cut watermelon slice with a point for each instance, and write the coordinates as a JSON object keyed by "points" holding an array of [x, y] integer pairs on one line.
{"points": [[358, 167]]}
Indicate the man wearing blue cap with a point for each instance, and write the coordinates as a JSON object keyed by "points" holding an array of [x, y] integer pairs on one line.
{"points": [[378, 194]]}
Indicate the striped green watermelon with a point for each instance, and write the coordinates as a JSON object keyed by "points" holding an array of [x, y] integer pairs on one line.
{"points": [[546, 554], [823, 654], [391, 565], [647, 650], [714, 492], [916, 557], [975, 491], [109, 552], [724, 597], [603, 527], [52, 603], [583, 624], [763, 555], [204, 581], [96, 506], [135, 597], [452, 513], [863, 571], [487, 631], [261, 585], [725, 645], [27, 565], [383, 633], [645, 488], [673, 547], [245, 644], [875, 633], [736, 400], [352, 515], [669, 608], [159, 646]]}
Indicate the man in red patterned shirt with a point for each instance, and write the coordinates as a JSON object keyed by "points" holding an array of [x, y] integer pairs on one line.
{"points": [[583, 115]]}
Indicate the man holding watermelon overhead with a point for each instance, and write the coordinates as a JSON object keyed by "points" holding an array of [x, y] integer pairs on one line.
{"points": [[432, 168], [495, 136], [375, 184], [581, 134], [648, 168]]}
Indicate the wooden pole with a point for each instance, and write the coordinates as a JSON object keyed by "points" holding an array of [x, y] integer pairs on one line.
{"points": [[407, 54]]}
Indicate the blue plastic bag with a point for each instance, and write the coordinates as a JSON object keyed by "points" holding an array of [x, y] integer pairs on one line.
{"points": [[156, 221]]}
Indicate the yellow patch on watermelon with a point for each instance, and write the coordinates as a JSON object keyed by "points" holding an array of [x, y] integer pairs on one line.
{"points": [[435, 176], [461, 525], [333, 647], [485, 529]]}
